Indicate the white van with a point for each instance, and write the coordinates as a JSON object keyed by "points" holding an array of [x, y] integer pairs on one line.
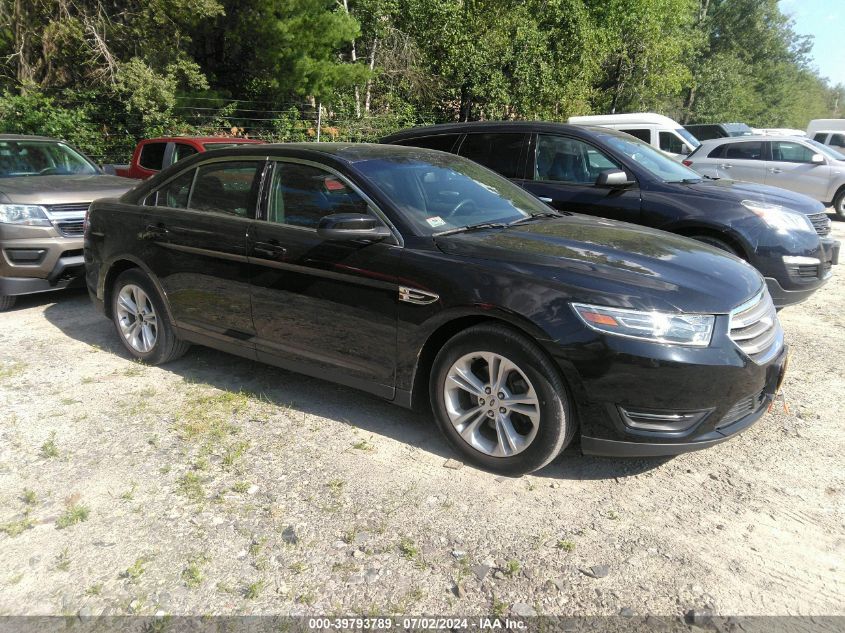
{"points": [[825, 125], [655, 129]]}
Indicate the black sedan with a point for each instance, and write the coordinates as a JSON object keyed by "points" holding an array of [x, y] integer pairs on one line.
{"points": [[604, 172], [427, 279]]}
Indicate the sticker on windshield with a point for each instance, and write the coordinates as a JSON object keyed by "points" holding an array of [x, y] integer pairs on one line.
{"points": [[435, 221]]}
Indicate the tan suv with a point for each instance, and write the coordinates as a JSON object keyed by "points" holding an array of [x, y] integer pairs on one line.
{"points": [[45, 189]]}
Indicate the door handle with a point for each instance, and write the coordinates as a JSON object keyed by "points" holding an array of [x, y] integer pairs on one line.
{"points": [[269, 250], [726, 166], [544, 199], [775, 170], [155, 231]]}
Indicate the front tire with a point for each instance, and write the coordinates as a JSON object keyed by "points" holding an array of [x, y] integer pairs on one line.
{"points": [[716, 242], [500, 401], [839, 203], [141, 321], [6, 303]]}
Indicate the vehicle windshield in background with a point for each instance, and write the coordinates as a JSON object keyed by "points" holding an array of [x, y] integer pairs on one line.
{"points": [[738, 129], [827, 150], [442, 192], [41, 158], [658, 163], [689, 138]]}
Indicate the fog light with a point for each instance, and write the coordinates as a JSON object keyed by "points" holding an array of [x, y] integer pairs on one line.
{"points": [[662, 420]]}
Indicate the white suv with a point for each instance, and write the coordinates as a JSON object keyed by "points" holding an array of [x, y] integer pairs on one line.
{"points": [[798, 164]]}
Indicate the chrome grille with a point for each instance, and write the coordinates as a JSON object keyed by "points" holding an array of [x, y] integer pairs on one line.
{"points": [[755, 329], [821, 222], [69, 219], [70, 228], [744, 407], [75, 208]]}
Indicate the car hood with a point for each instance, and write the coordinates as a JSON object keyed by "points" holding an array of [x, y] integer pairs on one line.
{"points": [[615, 263], [736, 191], [62, 189]]}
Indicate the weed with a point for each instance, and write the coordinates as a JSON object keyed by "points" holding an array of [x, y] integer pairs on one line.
{"points": [[363, 445], [256, 546], [63, 560], [349, 536], [565, 544], [133, 370], [408, 549], [498, 608], [69, 401], [254, 590], [192, 574], [49, 448], [12, 371], [191, 486], [241, 486], [234, 453], [136, 570], [336, 485], [75, 513], [298, 567], [87, 380], [128, 495], [612, 515], [14, 528], [512, 568], [208, 415], [29, 497], [94, 590], [307, 598], [200, 464]]}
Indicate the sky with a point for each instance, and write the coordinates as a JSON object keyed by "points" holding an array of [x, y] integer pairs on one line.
{"points": [[825, 21]]}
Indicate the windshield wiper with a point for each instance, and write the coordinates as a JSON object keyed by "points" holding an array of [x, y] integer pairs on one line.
{"points": [[471, 227], [544, 214], [685, 181]]}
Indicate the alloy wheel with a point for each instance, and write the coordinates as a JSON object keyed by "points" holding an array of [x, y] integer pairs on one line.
{"points": [[492, 404], [137, 319]]}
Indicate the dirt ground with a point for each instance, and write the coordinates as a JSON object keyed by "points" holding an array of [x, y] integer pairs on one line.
{"points": [[216, 485]]}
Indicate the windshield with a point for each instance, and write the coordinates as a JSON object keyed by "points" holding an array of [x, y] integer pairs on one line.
{"points": [[41, 158], [656, 163], [439, 192], [689, 138], [826, 150]]}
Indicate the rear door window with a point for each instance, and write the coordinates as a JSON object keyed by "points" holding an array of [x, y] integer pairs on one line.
{"points": [[748, 150], [226, 187], [669, 142], [503, 153], [837, 140], [820, 137], [175, 193], [152, 156]]}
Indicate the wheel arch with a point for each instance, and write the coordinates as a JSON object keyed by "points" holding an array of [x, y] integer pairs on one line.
{"points": [[115, 268], [689, 230], [455, 324]]}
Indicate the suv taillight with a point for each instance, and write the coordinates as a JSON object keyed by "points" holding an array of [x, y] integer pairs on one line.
{"points": [[687, 162]]}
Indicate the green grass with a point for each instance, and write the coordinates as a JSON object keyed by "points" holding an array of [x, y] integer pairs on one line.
{"points": [[49, 449], [254, 590], [241, 487], [94, 590], [136, 570], [29, 497], [512, 568], [192, 574], [209, 415], [363, 445], [190, 485], [408, 549], [16, 528], [566, 545], [76, 513]]}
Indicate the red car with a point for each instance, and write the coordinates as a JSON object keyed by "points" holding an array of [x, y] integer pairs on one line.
{"points": [[154, 154]]}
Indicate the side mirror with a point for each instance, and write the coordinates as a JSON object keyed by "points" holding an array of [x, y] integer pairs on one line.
{"points": [[613, 178], [817, 159], [351, 226]]}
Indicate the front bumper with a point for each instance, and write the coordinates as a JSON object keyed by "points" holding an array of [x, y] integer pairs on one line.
{"points": [[37, 259], [793, 283], [728, 390]]}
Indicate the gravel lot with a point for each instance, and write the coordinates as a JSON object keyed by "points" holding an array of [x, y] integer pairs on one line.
{"points": [[220, 486]]}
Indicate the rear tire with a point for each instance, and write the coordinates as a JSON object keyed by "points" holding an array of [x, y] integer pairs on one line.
{"points": [[839, 203], [499, 401], [141, 320], [720, 244], [6, 302]]}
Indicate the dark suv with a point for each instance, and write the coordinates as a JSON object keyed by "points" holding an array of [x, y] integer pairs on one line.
{"points": [[600, 171]]}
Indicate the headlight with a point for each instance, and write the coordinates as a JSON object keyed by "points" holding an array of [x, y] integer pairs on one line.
{"points": [[658, 327], [29, 214], [780, 218]]}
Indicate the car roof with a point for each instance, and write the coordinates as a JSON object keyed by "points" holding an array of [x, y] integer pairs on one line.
{"points": [[629, 118], [28, 137], [202, 139], [752, 137], [494, 126]]}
